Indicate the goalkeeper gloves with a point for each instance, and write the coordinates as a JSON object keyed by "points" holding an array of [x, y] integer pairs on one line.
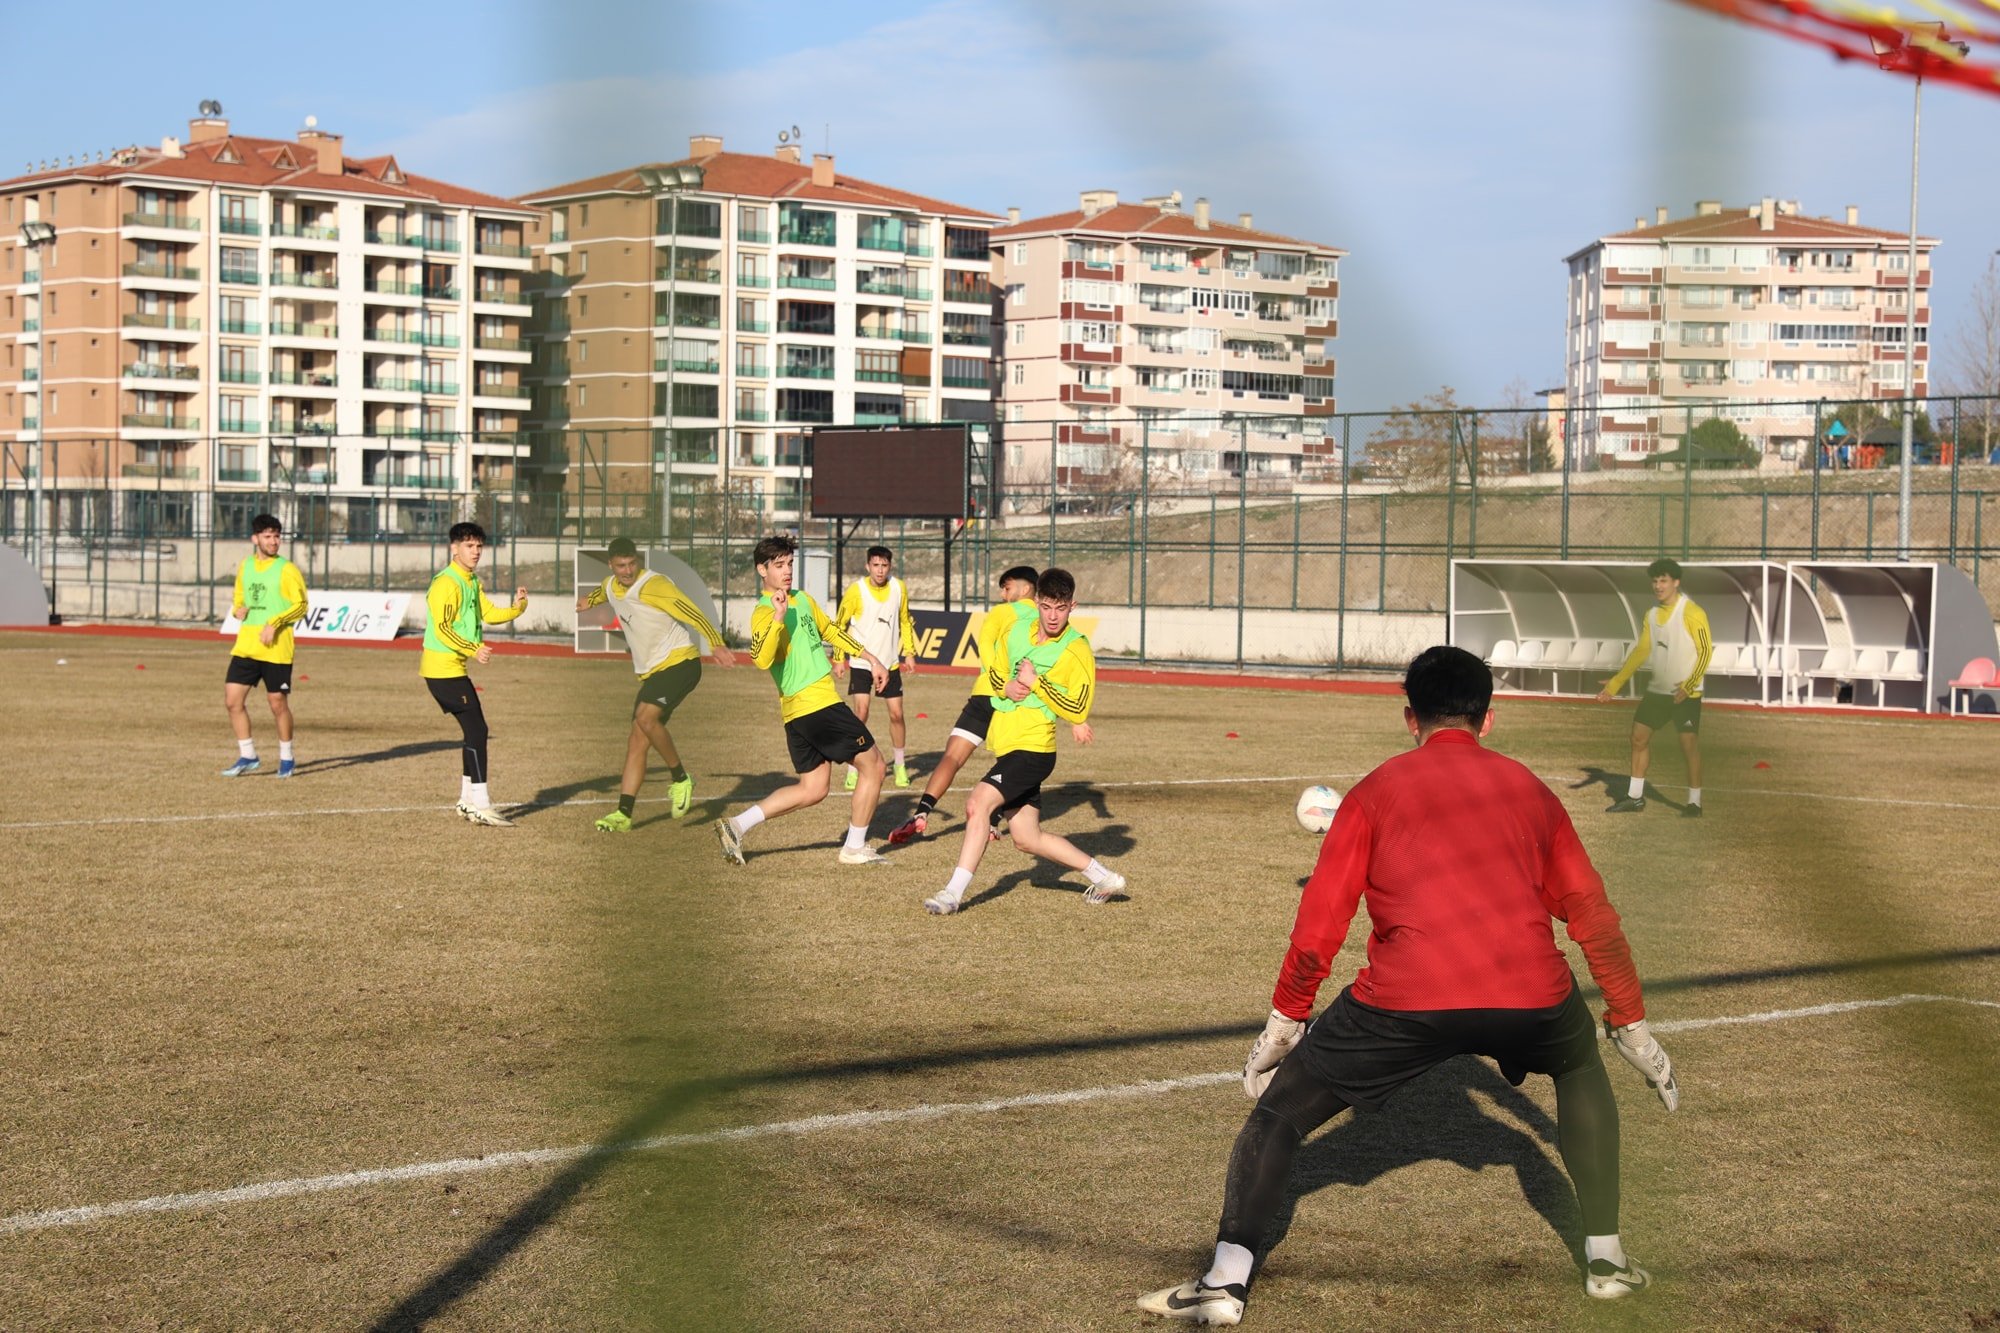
{"points": [[1643, 1053], [1273, 1044]]}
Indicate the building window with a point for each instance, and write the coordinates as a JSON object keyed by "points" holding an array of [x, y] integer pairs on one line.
{"points": [[1020, 252]]}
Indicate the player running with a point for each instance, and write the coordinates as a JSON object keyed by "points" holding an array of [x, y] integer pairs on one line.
{"points": [[656, 618], [270, 599], [1463, 855], [1017, 605], [788, 631], [1678, 644], [1042, 669], [456, 611], [876, 611]]}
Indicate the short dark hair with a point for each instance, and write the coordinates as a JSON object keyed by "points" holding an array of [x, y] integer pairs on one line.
{"points": [[771, 548], [1447, 684], [621, 546], [882, 551], [1019, 574], [1057, 585], [265, 523], [1671, 568], [461, 532]]}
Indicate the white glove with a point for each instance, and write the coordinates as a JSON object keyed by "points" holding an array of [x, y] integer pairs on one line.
{"points": [[1273, 1044], [1643, 1053]]}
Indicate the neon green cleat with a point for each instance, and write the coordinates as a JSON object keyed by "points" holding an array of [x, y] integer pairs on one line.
{"points": [[615, 822], [851, 776], [682, 793], [902, 776]]}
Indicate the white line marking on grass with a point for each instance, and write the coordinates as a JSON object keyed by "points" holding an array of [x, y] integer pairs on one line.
{"points": [[21, 1223]]}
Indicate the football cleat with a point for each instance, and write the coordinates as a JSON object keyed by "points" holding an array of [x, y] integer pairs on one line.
{"points": [[615, 822], [1198, 1303], [852, 778], [863, 855], [1105, 889], [240, 768], [1626, 805], [909, 831], [681, 796], [1690, 812], [732, 841], [287, 767], [941, 904], [902, 775], [485, 814], [1606, 1281]]}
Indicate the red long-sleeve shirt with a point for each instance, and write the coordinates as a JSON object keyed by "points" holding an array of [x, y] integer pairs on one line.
{"points": [[1464, 856]]}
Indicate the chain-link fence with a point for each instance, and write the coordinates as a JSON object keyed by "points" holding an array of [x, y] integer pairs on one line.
{"points": [[1322, 540]]}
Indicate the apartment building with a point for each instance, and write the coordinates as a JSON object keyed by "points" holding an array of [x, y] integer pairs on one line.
{"points": [[1753, 312], [1130, 326], [237, 314], [702, 315]]}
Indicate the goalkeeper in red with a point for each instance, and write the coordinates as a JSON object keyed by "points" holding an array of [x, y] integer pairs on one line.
{"points": [[1464, 856]]}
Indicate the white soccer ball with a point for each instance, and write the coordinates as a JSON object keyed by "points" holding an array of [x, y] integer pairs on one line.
{"points": [[1316, 808]]}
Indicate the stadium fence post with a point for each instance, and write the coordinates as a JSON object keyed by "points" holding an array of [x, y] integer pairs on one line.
{"points": [[1211, 548], [1382, 551], [1145, 520], [1472, 473], [1340, 575], [1569, 423], [1687, 482], [1764, 529], [1957, 447], [1819, 434], [1451, 426], [159, 515], [1242, 527], [1295, 550]]}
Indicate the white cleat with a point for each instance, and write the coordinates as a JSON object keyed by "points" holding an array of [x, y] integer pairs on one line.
{"points": [[863, 855], [1605, 1281], [1104, 891], [1197, 1303], [732, 842], [941, 904], [485, 814]]}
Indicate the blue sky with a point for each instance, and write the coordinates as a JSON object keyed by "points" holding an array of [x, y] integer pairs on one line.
{"points": [[1459, 150]]}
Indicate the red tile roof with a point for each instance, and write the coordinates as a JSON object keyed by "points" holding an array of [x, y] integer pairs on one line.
{"points": [[1743, 224], [262, 164], [1146, 220], [755, 177]]}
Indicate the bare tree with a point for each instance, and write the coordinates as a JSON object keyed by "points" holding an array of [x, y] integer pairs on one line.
{"points": [[1972, 360]]}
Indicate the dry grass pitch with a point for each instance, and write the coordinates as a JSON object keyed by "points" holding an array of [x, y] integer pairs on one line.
{"points": [[219, 984]]}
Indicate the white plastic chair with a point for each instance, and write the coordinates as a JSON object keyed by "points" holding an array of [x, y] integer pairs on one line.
{"points": [[1872, 665], [1505, 654]]}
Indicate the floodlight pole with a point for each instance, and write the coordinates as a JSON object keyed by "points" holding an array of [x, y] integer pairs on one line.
{"points": [[1909, 341], [37, 236]]}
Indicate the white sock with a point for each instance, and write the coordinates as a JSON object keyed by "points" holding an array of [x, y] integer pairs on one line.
{"points": [[899, 754], [1604, 1247], [476, 797], [1231, 1267], [961, 879], [284, 749], [464, 790], [1694, 796], [247, 749], [1096, 873], [857, 836], [748, 820], [1636, 788]]}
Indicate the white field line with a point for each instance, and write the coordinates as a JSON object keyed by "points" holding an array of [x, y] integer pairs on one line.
{"points": [[21, 1223]]}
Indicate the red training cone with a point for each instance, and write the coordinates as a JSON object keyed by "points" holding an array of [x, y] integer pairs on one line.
{"points": [[922, 716], [1231, 736], [1760, 764], [140, 666]]}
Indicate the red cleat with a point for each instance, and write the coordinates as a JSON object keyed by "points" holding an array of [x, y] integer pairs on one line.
{"points": [[908, 832]]}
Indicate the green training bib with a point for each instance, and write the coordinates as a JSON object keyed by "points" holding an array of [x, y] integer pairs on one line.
{"points": [[467, 624]]}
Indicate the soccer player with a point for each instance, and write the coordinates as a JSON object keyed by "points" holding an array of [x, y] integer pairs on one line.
{"points": [[270, 599], [657, 619], [1463, 856], [1678, 644], [788, 631], [1017, 604], [876, 611], [1042, 669], [456, 612]]}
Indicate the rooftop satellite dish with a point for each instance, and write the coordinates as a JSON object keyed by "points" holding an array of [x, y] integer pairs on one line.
{"points": [[312, 122], [795, 133], [784, 136], [211, 107]]}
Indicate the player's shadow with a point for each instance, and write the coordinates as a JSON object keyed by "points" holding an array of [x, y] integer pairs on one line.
{"points": [[1614, 787], [1439, 1118], [410, 750], [1103, 841]]}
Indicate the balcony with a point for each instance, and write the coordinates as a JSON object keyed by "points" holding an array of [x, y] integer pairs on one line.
{"points": [[687, 273], [796, 372], [437, 339], [807, 235], [812, 327], [175, 323], [709, 367], [242, 277], [977, 293], [305, 330], [811, 416], [30, 325], [228, 376], [751, 236], [409, 480], [917, 250], [974, 338], [391, 384], [168, 272], [391, 238], [501, 296], [241, 427], [31, 276], [240, 227], [880, 241], [752, 370], [878, 418], [692, 319], [177, 221], [761, 281], [159, 421], [238, 474], [503, 249], [808, 283], [244, 326], [388, 287], [437, 388], [162, 471], [489, 344], [966, 382], [308, 476], [502, 391], [439, 243], [159, 370], [303, 278], [752, 414], [306, 379], [879, 286], [753, 326], [303, 426], [392, 335], [31, 373], [442, 292]]}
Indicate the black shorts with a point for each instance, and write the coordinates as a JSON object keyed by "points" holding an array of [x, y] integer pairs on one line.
{"points": [[974, 719], [665, 689], [275, 677], [454, 694], [1657, 710], [1364, 1054], [860, 680], [1019, 775], [833, 735]]}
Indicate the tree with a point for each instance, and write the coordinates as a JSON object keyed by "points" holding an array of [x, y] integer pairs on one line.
{"points": [[1972, 365], [1717, 442], [1421, 444]]}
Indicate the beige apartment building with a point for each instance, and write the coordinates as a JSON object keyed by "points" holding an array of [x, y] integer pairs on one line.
{"points": [[702, 315], [1751, 312], [1148, 330], [234, 315]]}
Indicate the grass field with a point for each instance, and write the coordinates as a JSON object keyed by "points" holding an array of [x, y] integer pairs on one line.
{"points": [[214, 984]]}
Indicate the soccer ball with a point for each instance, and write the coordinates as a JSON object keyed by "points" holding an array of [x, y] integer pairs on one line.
{"points": [[1316, 807]]}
